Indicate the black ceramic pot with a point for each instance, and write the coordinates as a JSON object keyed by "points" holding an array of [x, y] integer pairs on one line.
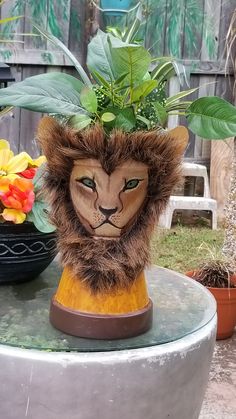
{"points": [[24, 252]]}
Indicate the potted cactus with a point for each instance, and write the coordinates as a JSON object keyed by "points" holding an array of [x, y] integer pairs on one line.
{"points": [[112, 165]]}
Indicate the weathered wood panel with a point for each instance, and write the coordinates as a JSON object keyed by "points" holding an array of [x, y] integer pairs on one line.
{"points": [[220, 170], [10, 123], [29, 120], [63, 18]]}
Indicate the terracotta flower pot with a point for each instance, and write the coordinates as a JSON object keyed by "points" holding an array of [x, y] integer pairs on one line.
{"points": [[226, 308], [106, 193]]}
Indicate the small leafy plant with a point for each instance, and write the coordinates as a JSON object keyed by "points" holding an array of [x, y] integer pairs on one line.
{"points": [[21, 198], [217, 270], [215, 273], [126, 90]]}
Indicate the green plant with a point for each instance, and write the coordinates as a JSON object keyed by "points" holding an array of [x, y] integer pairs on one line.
{"points": [[215, 273], [215, 270], [124, 93]]}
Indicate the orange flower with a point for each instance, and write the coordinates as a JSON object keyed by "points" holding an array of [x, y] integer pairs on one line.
{"points": [[16, 216], [17, 194]]}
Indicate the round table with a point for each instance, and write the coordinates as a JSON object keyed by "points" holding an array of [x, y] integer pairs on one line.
{"points": [[161, 374]]}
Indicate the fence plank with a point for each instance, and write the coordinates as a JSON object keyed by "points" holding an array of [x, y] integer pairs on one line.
{"points": [[221, 153], [194, 82], [59, 15], [220, 171], [7, 9], [77, 30], [37, 57], [32, 42], [193, 29], [227, 9], [211, 27], [10, 123], [155, 33], [29, 120]]}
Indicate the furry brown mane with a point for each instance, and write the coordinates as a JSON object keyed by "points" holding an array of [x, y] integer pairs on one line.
{"points": [[105, 264]]}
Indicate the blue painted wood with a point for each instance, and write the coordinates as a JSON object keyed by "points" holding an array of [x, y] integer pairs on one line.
{"points": [[115, 7]]}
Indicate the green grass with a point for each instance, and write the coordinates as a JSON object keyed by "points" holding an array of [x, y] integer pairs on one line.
{"points": [[183, 248]]}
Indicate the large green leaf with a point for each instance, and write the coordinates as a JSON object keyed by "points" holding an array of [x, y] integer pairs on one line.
{"points": [[144, 121], [99, 79], [167, 67], [212, 118], [39, 216], [88, 99], [79, 121], [125, 119], [131, 32], [99, 56], [113, 58], [39, 213], [163, 71], [48, 93], [175, 99], [161, 113], [143, 89], [131, 59], [38, 179], [63, 78], [118, 81], [179, 106]]}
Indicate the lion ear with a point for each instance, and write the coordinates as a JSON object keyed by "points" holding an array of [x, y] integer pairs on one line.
{"points": [[180, 136], [50, 136]]}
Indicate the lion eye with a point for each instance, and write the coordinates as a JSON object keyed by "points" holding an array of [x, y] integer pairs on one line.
{"points": [[131, 184], [86, 181]]}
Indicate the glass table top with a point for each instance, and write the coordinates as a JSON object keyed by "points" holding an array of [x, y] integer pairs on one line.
{"points": [[181, 306]]}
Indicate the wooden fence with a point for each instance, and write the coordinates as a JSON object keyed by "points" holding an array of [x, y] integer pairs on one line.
{"points": [[193, 30]]}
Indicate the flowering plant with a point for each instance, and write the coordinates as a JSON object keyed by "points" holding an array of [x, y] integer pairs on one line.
{"points": [[21, 196]]}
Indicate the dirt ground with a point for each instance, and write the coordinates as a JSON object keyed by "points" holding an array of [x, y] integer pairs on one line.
{"points": [[220, 397]]}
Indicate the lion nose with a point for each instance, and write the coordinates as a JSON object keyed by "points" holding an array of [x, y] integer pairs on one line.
{"points": [[107, 211]]}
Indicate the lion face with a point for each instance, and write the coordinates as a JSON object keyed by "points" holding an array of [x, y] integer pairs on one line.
{"points": [[107, 204]]}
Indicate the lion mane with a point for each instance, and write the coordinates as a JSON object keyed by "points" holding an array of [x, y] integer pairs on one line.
{"points": [[107, 264]]}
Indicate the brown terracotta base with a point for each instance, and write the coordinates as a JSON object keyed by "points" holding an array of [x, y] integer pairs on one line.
{"points": [[94, 326]]}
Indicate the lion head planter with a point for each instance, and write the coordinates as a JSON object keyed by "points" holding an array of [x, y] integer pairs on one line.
{"points": [[106, 195]]}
